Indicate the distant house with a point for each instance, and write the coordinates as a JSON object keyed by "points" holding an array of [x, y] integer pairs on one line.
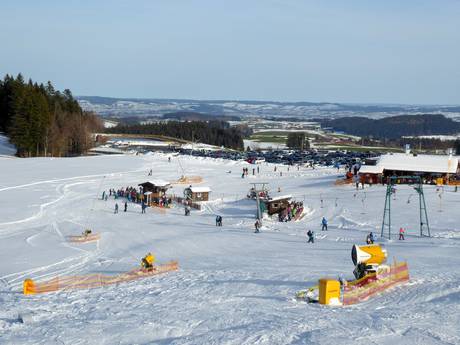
{"points": [[429, 167], [195, 194], [277, 204], [154, 190]]}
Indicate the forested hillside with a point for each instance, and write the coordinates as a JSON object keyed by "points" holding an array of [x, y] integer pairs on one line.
{"points": [[395, 126], [216, 133], [42, 121]]}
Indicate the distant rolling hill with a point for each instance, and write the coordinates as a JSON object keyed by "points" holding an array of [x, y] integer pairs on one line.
{"points": [[134, 107], [395, 126]]}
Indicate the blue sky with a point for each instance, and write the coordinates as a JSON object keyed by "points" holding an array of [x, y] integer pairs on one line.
{"points": [[388, 51]]}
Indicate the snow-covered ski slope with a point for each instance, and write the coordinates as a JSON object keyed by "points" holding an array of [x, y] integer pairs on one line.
{"points": [[233, 286]]}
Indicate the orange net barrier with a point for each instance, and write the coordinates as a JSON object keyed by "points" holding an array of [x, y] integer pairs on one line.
{"points": [[361, 289], [342, 181], [189, 180], [96, 280], [84, 238]]}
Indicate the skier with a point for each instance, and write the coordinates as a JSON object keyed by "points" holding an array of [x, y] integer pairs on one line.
{"points": [[371, 237], [116, 208], [401, 233], [86, 232], [150, 172], [169, 159], [143, 206], [126, 207], [147, 261], [257, 169], [324, 224], [187, 210], [106, 197], [103, 195], [257, 226], [368, 239], [311, 236]]}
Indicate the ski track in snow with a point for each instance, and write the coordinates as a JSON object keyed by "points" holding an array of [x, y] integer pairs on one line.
{"points": [[233, 286]]}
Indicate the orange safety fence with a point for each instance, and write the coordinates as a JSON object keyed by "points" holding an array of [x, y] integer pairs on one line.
{"points": [[361, 289], [95, 280], [84, 238], [188, 180], [343, 181]]}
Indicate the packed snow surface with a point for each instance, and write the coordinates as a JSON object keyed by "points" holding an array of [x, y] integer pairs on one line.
{"points": [[233, 286]]}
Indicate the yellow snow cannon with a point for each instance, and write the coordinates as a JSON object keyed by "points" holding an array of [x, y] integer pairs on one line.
{"points": [[367, 259], [329, 291]]}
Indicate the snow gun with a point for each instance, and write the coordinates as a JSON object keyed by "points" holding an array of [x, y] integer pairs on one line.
{"points": [[372, 276]]}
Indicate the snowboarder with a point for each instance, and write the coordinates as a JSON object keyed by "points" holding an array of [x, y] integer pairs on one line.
{"points": [[324, 224], [311, 236], [257, 226], [147, 261], [126, 207], [116, 208], [401, 233]]}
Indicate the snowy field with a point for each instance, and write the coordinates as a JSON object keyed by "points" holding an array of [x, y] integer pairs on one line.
{"points": [[233, 286]]}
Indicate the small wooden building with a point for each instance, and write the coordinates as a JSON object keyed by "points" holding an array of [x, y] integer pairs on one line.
{"points": [[197, 193], [154, 190], [277, 204]]}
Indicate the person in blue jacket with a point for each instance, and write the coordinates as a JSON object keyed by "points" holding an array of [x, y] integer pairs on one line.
{"points": [[324, 224]]}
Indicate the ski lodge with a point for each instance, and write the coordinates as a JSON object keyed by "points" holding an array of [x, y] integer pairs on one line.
{"points": [[433, 169], [195, 194], [277, 204], [154, 190]]}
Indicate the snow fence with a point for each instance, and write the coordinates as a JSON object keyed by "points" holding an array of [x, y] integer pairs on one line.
{"points": [[90, 281], [84, 238], [361, 289]]}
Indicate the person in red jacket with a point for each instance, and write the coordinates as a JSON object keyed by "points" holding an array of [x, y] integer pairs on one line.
{"points": [[401, 233]]}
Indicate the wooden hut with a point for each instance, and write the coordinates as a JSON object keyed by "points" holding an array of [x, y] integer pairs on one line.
{"points": [[277, 204], [154, 190], [195, 194]]}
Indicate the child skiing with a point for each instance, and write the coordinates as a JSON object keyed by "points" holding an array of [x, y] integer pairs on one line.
{"points": [[311, 236], [257, 226]]}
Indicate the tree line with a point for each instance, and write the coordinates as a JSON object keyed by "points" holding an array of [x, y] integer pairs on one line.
{"points": [[394, 127], [42, 121], [218, 133], [297, 140]]}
